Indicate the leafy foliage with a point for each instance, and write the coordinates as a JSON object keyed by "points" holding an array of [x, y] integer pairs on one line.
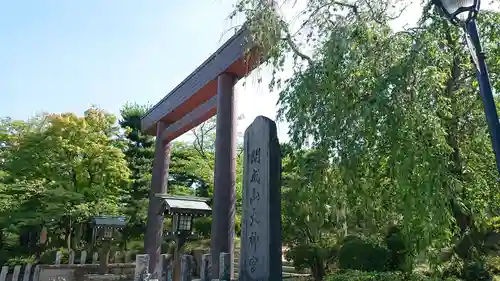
{"points": [[397, 114], [361, 254], [61, 170], [139, 153], [353, 275], [309, 217]]}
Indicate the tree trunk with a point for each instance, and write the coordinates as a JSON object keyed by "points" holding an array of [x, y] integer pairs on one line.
{"points": [[318, 269], [77, 237], [68, 237], [470, 236]]}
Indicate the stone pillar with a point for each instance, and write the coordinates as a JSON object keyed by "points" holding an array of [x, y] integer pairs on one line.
{"points": [[58, 258], [206, 268], [224, 267], [27, 272], [141, 267], [15, 274], [83, 257], [186, 268], [4, 273], [261, 252], [166, 266], [225, 173], [36, 273], [153, 238]]}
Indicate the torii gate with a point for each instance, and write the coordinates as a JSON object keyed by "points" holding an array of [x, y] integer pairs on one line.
{"points": [[209, 90]]}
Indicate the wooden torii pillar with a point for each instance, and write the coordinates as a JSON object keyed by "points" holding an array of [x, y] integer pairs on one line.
{"points": [[209, 90]]}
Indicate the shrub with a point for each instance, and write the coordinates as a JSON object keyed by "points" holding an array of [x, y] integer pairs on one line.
{"points": [[354, 275], [359, 254], [399, 253], [49, 256], [237, 225], [20, 261], [316, 257], [203, 226], [477, 272], [493, 264]]}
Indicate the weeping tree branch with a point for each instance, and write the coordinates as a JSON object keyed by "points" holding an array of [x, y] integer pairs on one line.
{"points": [[296, 50], [199, 137], [289, 38]]}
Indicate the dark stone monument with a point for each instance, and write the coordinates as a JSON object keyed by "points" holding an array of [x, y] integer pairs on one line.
{"points": [[260, 258]]}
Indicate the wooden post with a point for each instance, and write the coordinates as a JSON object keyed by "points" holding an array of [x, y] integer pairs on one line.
{"points": [[104, 257], [159, 179], [224, 204], [177, 261]]}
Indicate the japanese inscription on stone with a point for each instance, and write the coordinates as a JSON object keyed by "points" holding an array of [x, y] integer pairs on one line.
{"points": [[260, 258]]}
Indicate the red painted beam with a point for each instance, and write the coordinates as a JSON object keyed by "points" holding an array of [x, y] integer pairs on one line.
{"points": [[236, 56]]}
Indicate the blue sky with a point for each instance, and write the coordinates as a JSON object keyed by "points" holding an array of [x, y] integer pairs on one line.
{"points": [[64, 56], [59, 56]]}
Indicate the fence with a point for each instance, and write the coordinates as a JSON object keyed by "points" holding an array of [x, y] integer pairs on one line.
{"points": [[116, 257], [125, 264], [189, 269]]}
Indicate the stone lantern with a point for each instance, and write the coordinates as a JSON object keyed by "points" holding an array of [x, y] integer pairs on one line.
{"points": [[183, 210]]}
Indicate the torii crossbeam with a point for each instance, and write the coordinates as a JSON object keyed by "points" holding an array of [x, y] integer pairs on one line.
{"points": [[209, 90]]}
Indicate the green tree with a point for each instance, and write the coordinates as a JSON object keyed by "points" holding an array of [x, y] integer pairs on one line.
{"points": [[139, 152], [399, 113], [196, 159], [310, 210], [64, 171], [204, 144]]}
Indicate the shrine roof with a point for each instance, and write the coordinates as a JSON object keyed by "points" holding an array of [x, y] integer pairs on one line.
{"points": [[184, 204], [109, 220]]}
